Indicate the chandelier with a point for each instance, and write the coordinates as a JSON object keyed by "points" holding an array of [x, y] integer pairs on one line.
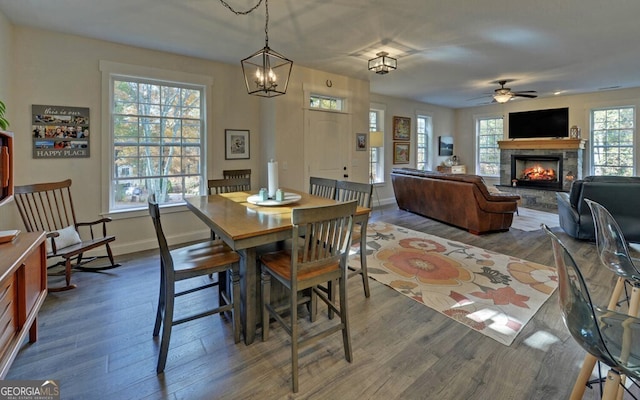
{"points": [[382, 64], [266, 72]]}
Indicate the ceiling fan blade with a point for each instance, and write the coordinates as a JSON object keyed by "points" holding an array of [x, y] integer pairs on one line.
{"points": [[526, 91], [530, 96], [484, 96]]}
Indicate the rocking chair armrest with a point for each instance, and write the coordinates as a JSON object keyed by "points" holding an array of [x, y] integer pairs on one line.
{"points": [[51, 236], [100, 221]]}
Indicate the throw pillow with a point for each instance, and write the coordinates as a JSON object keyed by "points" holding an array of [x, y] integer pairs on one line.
{"points": [[68, 237]]}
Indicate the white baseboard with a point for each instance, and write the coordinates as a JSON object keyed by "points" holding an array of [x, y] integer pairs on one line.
{"points": [[119, 247]]}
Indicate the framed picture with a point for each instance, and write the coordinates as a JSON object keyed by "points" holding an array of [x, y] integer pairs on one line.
{"points": [[236, 144], [401, 152], [60, 131], [445, 145], [361, 141], [401, 128]]}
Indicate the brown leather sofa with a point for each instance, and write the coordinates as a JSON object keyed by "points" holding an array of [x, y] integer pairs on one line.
{"points": [[456, 199]]}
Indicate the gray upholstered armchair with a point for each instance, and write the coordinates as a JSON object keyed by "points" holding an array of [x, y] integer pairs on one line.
{"points": [[619, 195]]}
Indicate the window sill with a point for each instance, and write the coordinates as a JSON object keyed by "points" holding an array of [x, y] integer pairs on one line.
{"points": [[143, 211]]}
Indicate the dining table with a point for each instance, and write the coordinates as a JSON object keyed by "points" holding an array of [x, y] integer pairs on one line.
{"points": [[245, 225]]}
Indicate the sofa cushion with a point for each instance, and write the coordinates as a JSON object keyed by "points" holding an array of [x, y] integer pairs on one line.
{"points": [[612, 179]]}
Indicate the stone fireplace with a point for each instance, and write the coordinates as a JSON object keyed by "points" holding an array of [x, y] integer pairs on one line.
{"points": [[540, 167]]}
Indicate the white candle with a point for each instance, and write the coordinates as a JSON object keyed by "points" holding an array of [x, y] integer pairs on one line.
{"points": [[272, 177]]}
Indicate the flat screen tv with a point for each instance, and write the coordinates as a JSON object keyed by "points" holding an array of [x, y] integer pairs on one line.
{"points": [[539, 123]]}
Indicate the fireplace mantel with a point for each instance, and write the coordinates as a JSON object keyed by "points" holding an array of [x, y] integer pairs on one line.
{"points": [[555, 144]]}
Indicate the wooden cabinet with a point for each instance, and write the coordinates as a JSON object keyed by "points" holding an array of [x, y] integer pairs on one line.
{"points": [[6, 166], [23, 288], [454, 169]]}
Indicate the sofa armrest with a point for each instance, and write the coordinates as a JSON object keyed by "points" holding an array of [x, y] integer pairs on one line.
{"points": [[564, 203], [503, 196], [568, 216]]}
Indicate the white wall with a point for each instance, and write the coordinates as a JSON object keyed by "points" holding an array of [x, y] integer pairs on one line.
{"points": [[579, 109], [58, 69], [443, 125]]}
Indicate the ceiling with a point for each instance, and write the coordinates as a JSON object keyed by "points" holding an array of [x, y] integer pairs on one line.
{"points": [[450, 53]]}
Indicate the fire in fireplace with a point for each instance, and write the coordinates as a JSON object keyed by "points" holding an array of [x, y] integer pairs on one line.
{"points": [[537, 171]]}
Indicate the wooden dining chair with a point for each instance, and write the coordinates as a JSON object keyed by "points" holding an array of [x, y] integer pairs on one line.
{"points": [[188, 262], [363, 194], [49, 207], [218, 186], [320, 256], [236, 173], [322, 187]]}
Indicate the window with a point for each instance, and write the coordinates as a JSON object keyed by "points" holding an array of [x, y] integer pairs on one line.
{"points": [[489, 131], [376, 154], [423, 139], [158, 141], [325, 102], [612, 137]]}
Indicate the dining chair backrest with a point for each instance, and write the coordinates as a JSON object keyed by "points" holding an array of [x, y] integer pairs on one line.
{"points": [[326, 235], [218, 186], [611, 244], [322, 187], [165, 255], [236, 173], [599, 331], [361, 192]]}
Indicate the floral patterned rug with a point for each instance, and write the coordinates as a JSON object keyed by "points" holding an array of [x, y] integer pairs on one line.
{"points": [[492, 293]]}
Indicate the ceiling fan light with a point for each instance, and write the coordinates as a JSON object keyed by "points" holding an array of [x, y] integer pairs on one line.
{"points": [[502, 98]]}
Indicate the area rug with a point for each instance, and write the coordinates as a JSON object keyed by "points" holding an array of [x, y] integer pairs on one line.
{"points": [[529, 219], [491, 293]]}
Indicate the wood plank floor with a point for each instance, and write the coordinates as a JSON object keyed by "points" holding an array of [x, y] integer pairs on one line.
{"points": [[96, 341]]}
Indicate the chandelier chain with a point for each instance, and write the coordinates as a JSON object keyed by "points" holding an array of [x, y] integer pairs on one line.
{"points": [[266, 23], [224, 3], [249, 11]]}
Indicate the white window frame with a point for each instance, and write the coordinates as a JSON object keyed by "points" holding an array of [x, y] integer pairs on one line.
{"points": [[111, 70], [495, 137], [423, 140], [376, 154], [599, 148], [326, 103]]}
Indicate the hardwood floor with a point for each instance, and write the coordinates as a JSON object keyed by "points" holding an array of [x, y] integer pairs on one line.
{"points": [[96, 341]]}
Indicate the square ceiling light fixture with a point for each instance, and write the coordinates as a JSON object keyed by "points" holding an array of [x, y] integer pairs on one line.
{"points": [[382, 64]]}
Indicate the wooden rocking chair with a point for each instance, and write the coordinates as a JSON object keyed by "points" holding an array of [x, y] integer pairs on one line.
{"points": [[48, 207]]}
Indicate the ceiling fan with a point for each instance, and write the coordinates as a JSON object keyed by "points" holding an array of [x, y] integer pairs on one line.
{"points": [[504, 94]]}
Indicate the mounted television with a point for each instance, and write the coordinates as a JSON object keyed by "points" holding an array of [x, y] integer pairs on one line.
{"points": [[539, 123]]}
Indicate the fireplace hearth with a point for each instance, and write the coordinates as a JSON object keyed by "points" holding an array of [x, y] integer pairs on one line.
{"points": [[537, 171]]}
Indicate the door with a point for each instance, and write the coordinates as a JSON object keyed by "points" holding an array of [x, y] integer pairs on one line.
{"points": [[327, 145]]}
